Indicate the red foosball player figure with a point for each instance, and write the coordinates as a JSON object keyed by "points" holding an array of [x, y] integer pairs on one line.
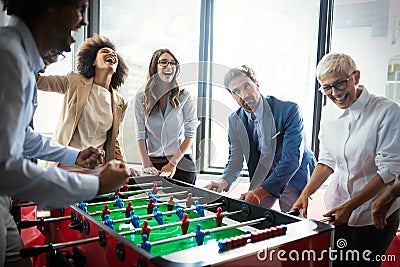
{"points": [[185, 224], [105, 211], [189, 200], [171, 203], [155, 187], [125, 188], [150, 206], [117, 192], [128, 209], [220, 215], [146, 229]]}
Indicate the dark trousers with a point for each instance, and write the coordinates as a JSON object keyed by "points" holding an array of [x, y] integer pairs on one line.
{"points": [[185, 170], [364, 239], [10, 240]]}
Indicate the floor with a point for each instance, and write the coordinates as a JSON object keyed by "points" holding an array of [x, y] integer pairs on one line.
{"points": [[316, 205]]}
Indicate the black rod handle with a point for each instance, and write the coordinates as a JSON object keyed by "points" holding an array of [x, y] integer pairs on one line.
{"points": [[36, 250], [29, 224]]}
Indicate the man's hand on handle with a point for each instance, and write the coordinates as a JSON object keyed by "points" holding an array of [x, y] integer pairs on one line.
{"points": [[114, 174]]}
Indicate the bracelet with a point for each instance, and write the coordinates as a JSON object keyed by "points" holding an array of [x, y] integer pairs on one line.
{"points": [[170, 162]]}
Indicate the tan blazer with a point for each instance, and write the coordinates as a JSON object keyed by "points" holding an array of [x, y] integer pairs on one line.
{"points": [[76, 89]]}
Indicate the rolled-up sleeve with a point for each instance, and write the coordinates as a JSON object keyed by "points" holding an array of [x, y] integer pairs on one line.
{"points": [[140, 125], [388, 145], [189, 115], [324, 156]]}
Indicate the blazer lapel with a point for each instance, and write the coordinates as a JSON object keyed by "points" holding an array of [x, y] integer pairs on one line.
{"points": [[249, 145], [269, 145], [82, 95]]}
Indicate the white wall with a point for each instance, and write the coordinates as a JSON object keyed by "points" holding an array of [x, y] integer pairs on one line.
{"points": [[3, 17]]}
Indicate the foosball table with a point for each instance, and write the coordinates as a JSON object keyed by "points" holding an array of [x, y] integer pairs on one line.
{"points": [[154, 221]]}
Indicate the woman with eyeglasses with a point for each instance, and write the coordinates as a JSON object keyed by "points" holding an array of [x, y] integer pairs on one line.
{"points": [[165, 121], [92, 110], [360, 150]]}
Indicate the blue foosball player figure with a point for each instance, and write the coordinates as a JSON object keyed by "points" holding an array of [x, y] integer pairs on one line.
{"points": [[158, 216], [199, 208], [145, 243], [152, 196], [199, 235], [82, 206], [108, 221], [179, 212], [119, 201], [135, 221]]}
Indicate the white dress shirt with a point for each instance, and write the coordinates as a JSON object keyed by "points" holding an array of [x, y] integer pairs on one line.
{"points": [[19, 177], [258, 113], [357, 143], [165, 133]]}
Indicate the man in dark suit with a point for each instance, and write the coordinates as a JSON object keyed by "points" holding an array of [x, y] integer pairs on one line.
{"points": [[269, 134]]}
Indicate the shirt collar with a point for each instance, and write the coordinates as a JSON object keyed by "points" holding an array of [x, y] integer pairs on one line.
{"points": [[35, 61], [258, 112], [356, 108], [360, 103]]}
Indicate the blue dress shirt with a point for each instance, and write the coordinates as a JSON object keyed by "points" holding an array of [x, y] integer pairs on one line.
{"points": [[19, 177]]}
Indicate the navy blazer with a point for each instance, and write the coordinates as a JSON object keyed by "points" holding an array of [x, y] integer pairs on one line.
{"points": [[283, 134]]}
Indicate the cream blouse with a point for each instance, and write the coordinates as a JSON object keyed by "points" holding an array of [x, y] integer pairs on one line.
{"points": [[95, 121]]}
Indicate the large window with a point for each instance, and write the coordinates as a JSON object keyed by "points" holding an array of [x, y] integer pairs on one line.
{"points": [[278, 39], [49, 104], [140, 27], [283, 57], [369, 31]]}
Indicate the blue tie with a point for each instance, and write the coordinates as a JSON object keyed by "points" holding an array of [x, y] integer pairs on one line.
{"points": [[253, 125]]}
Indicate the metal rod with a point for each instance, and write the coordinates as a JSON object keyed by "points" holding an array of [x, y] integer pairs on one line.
{"points": [[111, 194], [129, 198], [154, 243], [76, 242], [173, 212], [136, 230]]}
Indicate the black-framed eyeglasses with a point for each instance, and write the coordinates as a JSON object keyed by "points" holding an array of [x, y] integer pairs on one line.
{"points": [[165, 63], [339, 85]]}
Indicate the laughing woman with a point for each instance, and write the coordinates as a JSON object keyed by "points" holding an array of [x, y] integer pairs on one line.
{"points": [[165, 121], [360, 150], [92, 109]]}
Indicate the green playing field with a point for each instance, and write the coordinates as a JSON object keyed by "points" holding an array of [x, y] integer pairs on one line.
{"points": [[163, 233]]}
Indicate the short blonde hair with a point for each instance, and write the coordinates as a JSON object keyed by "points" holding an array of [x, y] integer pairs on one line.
{"points": [[335, 62]]}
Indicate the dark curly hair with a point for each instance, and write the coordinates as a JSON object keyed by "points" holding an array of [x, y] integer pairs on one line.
{"points": [[149, 98], [87, 54]]}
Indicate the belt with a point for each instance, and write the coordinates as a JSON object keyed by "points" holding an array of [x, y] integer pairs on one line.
{"points": [[159, 160]]}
